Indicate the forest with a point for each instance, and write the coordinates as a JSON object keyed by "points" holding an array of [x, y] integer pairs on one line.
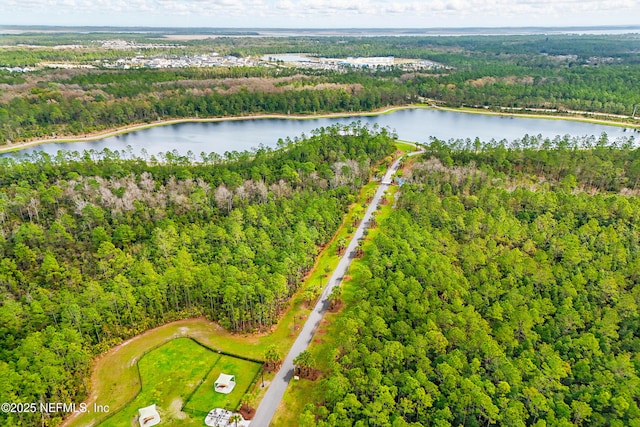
{"points": [[111, 101], [595, 73], [95, 249], [502, 289]]}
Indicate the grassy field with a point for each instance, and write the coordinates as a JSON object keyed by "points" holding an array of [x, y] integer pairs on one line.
{"points": [[406, 146], [182, 370], [206, 398], [169, 375]]}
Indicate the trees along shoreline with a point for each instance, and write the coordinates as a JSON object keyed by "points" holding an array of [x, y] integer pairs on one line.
{"points": [[578, 116], [97, 251]]}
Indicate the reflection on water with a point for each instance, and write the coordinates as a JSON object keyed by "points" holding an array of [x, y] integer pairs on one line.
{"points": [[413, 125]]}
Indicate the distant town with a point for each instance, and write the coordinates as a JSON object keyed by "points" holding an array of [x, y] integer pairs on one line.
{"points": [[214, 59]]}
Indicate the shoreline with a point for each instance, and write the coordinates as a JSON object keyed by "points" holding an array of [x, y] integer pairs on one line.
{"points": [[532, 113], [577, 116], [98, 135]]}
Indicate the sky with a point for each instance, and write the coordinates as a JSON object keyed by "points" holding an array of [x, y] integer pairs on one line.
{"points": [[321, 13]]}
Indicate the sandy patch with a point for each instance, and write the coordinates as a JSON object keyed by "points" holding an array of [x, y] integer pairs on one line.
{"points": [[175, 411]]}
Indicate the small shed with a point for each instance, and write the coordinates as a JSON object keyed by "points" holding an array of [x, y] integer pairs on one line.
{"points": [[148, 416], [225, 383]]}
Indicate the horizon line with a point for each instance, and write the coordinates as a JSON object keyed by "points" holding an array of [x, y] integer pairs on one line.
{"points": [[164, 27]]}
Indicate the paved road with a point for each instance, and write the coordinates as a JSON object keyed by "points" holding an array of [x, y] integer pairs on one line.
{"points": [[273, 396]]}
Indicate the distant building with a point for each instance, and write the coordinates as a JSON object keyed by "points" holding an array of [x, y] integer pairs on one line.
{"points": [[373, 61]]}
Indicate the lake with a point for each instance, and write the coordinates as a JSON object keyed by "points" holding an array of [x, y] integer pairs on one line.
{"points": [[413, 124]]}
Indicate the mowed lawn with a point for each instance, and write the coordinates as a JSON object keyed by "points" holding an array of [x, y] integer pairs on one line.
{"points": [[206, 398], [169, 375]]}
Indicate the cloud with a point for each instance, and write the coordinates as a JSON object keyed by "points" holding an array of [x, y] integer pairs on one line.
{"points": [[291, 13], [463, 7], [166, 8]]}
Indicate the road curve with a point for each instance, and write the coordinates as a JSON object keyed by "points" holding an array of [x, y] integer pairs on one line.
{"points": [[275, 392]]}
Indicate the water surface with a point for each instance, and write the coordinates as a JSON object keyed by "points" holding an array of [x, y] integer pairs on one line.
{"points": [[414, 125]]}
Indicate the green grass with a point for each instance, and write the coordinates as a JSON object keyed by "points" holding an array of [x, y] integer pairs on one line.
{"points": [[405, 146], [180, 370], [303, 392], [169, 372], [206, 398], [298, 394], [329, 258]]}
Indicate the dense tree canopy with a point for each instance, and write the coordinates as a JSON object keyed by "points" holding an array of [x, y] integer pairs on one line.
{"points": [[502, 289], [506, 296], [95, 251], [557, 72]]}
